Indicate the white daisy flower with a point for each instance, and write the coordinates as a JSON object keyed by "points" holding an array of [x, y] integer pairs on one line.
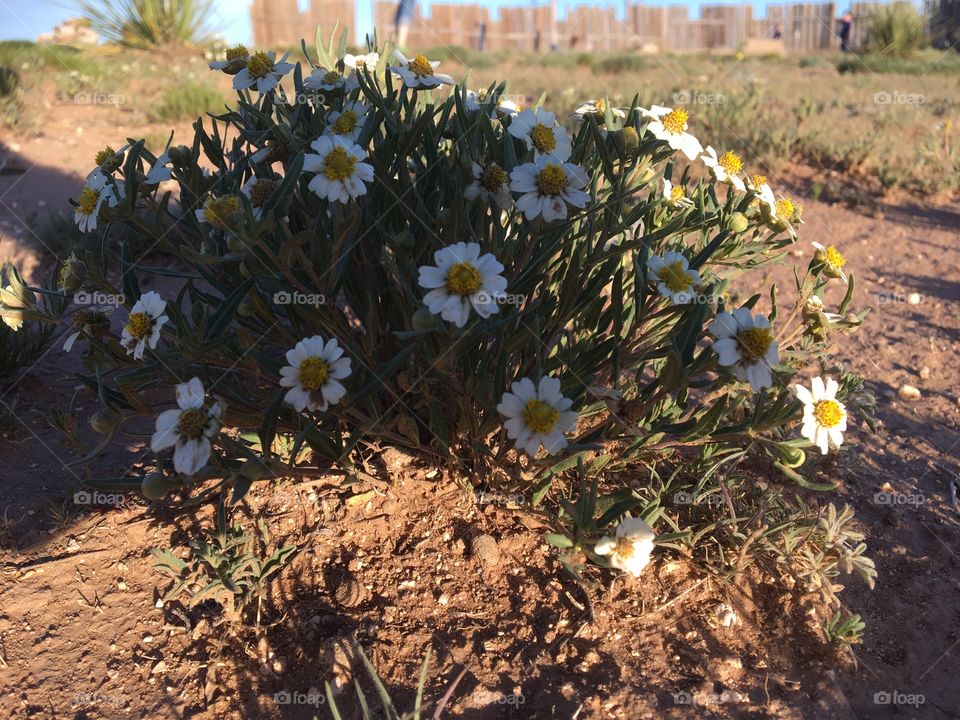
{"points": [[189, 428], [419, 72], [758, 185], [725, 168], [548, 187], [108, 160], [236, 60], [314, 374], [98, 190], [262, 70], [824, 417], [474, 100], [630, 548], [675, 196], [161, 170], [489, 182], [540, 131], [675, 280], [360, 62], [220, 212], [597, 108], [347, 123], [832, 260], [781, 215], [462, 278], [328, 80], [258, 190], [144, 324], [537, 415], [670, 126], [745, 341], [340, 171]]}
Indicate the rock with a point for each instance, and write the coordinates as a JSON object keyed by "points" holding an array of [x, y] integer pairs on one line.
{"points": [[349, 593], [914, 298], [924, 373], [726, 615], [908, 392], [485, 549]]}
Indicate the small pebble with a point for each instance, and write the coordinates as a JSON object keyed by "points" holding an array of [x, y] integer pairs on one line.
{"points": [[908, 392]]}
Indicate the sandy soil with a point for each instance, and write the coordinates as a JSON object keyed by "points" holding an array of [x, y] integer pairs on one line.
{"points": [[396, 565]]}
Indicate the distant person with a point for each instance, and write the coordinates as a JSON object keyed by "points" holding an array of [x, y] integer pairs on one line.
{"points": [[846, 23], [481, 36], [778, 31], [404, 17]]}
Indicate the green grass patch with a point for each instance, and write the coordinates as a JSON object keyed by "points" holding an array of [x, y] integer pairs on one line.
{"points": [[187, 102], [927, 62]]}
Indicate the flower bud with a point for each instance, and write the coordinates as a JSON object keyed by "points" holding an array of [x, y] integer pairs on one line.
{"points": [[180, 155], [423, 319], [739, 222], [105, 420], [155, 486], [72, 274]]}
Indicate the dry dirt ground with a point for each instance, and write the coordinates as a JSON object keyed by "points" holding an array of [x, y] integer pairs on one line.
{"points": [[393, 565]]}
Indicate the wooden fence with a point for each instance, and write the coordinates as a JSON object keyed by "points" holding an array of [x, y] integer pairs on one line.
{"points": [[798, 27]]}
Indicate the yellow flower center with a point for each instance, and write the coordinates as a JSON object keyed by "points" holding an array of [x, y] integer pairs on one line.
{"points": [[338, 164], [543, 138], [331, 77], [261, 190], [345, 123], [833, 257], [82, 317], [218, 211], [235, 53], [420, 66], [314, 372], [552, 180], [827, 413], [675, 122], [540, 416], [359, 64], [785, 209], [139, 325], [87, 201], [259, 65], [754, 342], [463, 279], [758, 181], [493, 177], [192, 422], [677, 193], [730, 162], [106, 154], [625, 548], [674, 277]]}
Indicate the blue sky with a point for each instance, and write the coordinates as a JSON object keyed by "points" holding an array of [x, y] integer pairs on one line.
{"points": [[25, 19]]}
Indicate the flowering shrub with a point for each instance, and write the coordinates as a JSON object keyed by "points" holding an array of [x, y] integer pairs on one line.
{"points": [[375, 255]]}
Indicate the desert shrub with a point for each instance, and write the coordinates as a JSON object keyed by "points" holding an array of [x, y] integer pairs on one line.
{"points": [[145, 23], [897, 29], [375, 261], [621, 63], [926, 62], [187, 102]]}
